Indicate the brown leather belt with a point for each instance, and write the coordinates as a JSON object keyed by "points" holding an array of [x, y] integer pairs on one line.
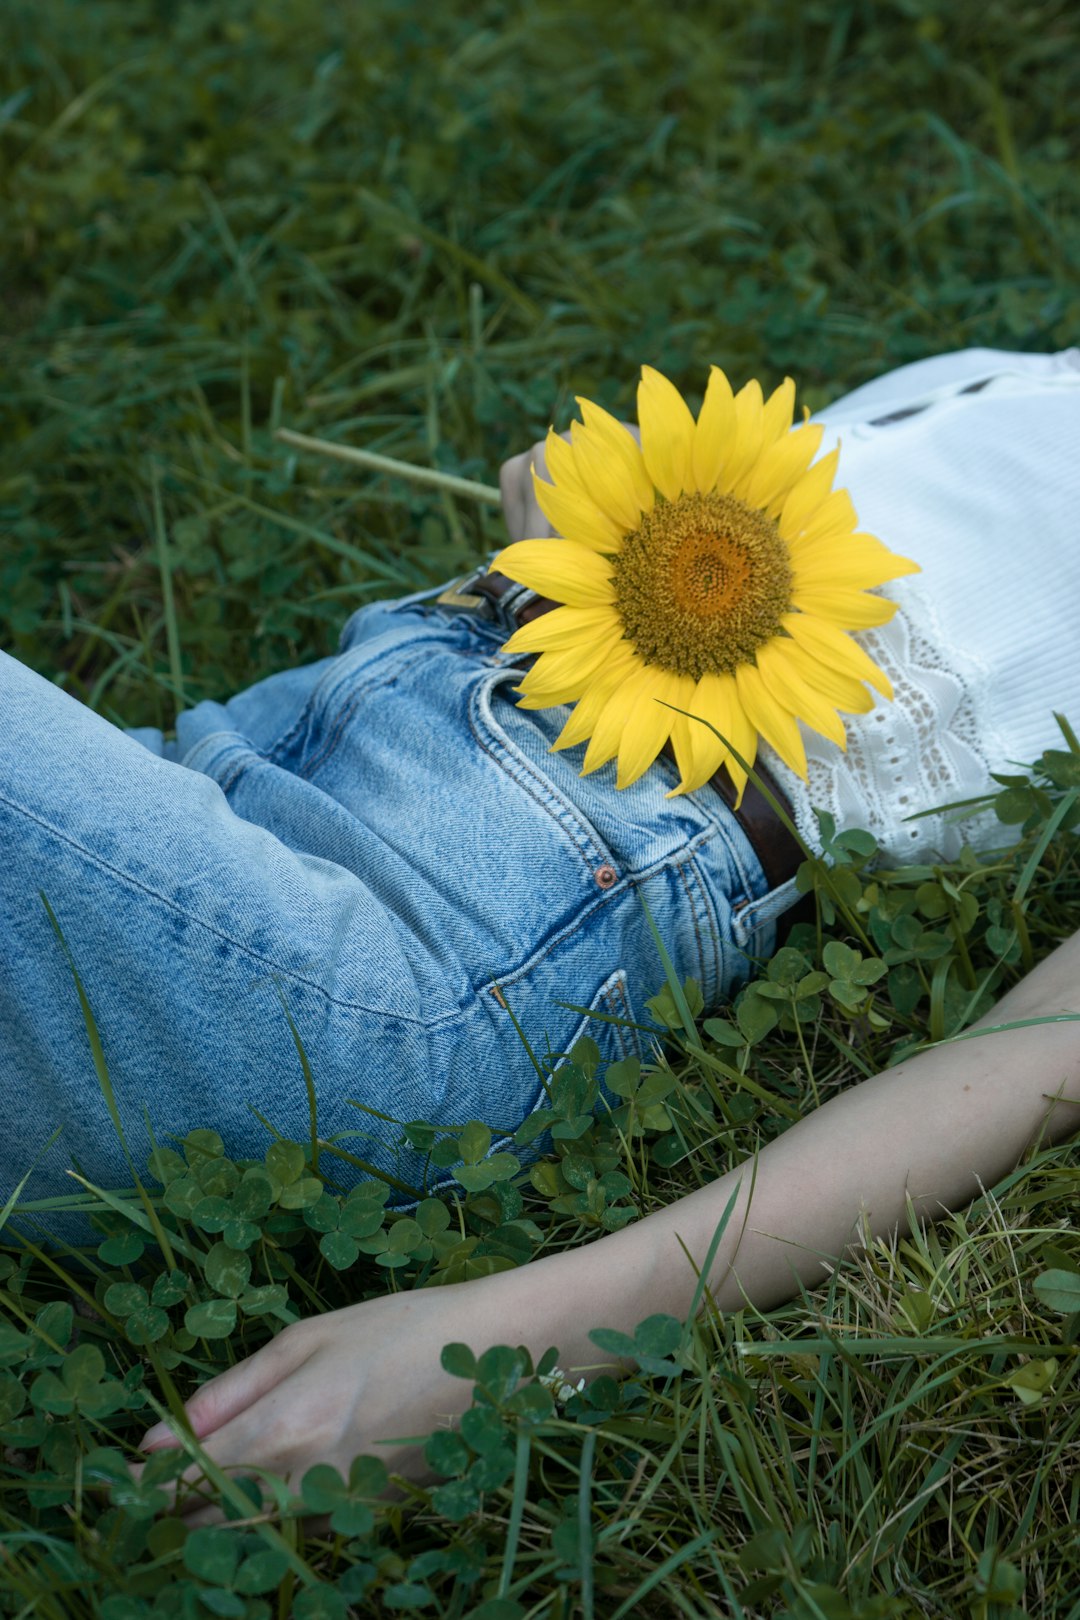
{"points": [[773, 844]]}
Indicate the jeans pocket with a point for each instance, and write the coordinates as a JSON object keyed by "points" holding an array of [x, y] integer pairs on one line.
{"points": [[519, 748], [608, 1020]]}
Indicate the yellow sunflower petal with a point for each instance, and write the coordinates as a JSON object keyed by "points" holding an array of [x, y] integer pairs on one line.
{"points": [[746, 443], [812, 488], [711, 705], [561, 569], [778, 413], [608, 484], [774, 723], [577, 517], [649, 726], [713, 431], [716, 703], [743, 737], [858, 562], [562, 627], [784, 680], [833, 519], [558, 699], [683, 749], [854, 545], [703, 751], [780, 467], [579, 727], [828, 643], [667, 434], [852, 610], [843, 691], [611, 722], [623, 446], [561, 464], [561, 676]]}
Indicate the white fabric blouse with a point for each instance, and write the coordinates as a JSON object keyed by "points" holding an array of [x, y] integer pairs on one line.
{"points": [[969, 464]]}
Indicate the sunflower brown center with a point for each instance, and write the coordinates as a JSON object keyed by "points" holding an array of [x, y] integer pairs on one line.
{"points": [[702, 584]]}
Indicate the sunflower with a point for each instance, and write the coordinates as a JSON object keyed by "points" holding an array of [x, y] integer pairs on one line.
{"points": [[712, 570]]}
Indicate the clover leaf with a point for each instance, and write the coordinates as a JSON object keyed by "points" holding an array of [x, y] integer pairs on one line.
{"points": [[81, 1387], [323, 1490], [144, 1323]]}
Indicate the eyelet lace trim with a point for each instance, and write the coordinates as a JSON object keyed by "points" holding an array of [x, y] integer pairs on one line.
{"points": [[930, 747]]}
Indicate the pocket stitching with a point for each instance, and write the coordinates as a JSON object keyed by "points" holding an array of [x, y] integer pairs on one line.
{"points": [[496, 743]]}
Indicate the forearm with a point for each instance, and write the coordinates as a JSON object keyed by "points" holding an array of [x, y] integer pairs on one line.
{"points": [[936, 1129]]}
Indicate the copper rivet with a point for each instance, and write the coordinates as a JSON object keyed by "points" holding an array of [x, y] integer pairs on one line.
{"points": [[606, 876]]}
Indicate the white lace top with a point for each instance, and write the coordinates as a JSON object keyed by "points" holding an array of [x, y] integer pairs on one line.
{"points": [[970, 465]]}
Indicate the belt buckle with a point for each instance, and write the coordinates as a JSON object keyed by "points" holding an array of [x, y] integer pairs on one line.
{"points": [[457, 599], [499, 607]]}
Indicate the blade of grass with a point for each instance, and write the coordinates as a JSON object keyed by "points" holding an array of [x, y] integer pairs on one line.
{"points": [[1045, 839], [633, 1604], [172, 628], [309, 1079], [677, 994], [104, 1081], [14, 1198], [372, 461], [522, 1453], [585, 1526]]}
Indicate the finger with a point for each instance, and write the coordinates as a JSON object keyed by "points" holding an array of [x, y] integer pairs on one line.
{"points": [[191, 1495], [537, 458], [196, 1493], [512, 489], [524, 519], [535, 525], [263, 1435], [221, 1399]]}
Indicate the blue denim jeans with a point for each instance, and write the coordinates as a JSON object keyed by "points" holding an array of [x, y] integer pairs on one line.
{"points": [[380, 842]]}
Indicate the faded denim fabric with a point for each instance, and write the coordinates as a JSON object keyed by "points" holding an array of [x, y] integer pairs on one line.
{"points": [[380, 842]]}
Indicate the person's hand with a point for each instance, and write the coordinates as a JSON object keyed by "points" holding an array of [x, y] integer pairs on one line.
{"points": [[369, 1378], [330, 1387], [524, 519]]}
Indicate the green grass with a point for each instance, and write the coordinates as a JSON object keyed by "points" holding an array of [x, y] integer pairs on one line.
{"points": [[424, 230]]}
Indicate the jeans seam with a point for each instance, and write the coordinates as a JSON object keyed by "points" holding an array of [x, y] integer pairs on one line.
{"points": [[708, 933], [619, 1006], [590, 906], [230, 781], [336, 727], [280, 744], [715, 939], [688, 891], [437, 1024]]}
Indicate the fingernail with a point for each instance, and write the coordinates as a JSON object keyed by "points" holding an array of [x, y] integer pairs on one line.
{"points": [[155, 1436]]}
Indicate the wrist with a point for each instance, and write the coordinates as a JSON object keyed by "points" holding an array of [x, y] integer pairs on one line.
{"points": [[554, 1303]]}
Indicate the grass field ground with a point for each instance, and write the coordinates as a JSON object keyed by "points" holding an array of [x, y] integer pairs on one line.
{"points": [[425, 230]]}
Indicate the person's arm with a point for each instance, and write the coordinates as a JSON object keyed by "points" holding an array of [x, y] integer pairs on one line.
{"points": [[938, 1129]]}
